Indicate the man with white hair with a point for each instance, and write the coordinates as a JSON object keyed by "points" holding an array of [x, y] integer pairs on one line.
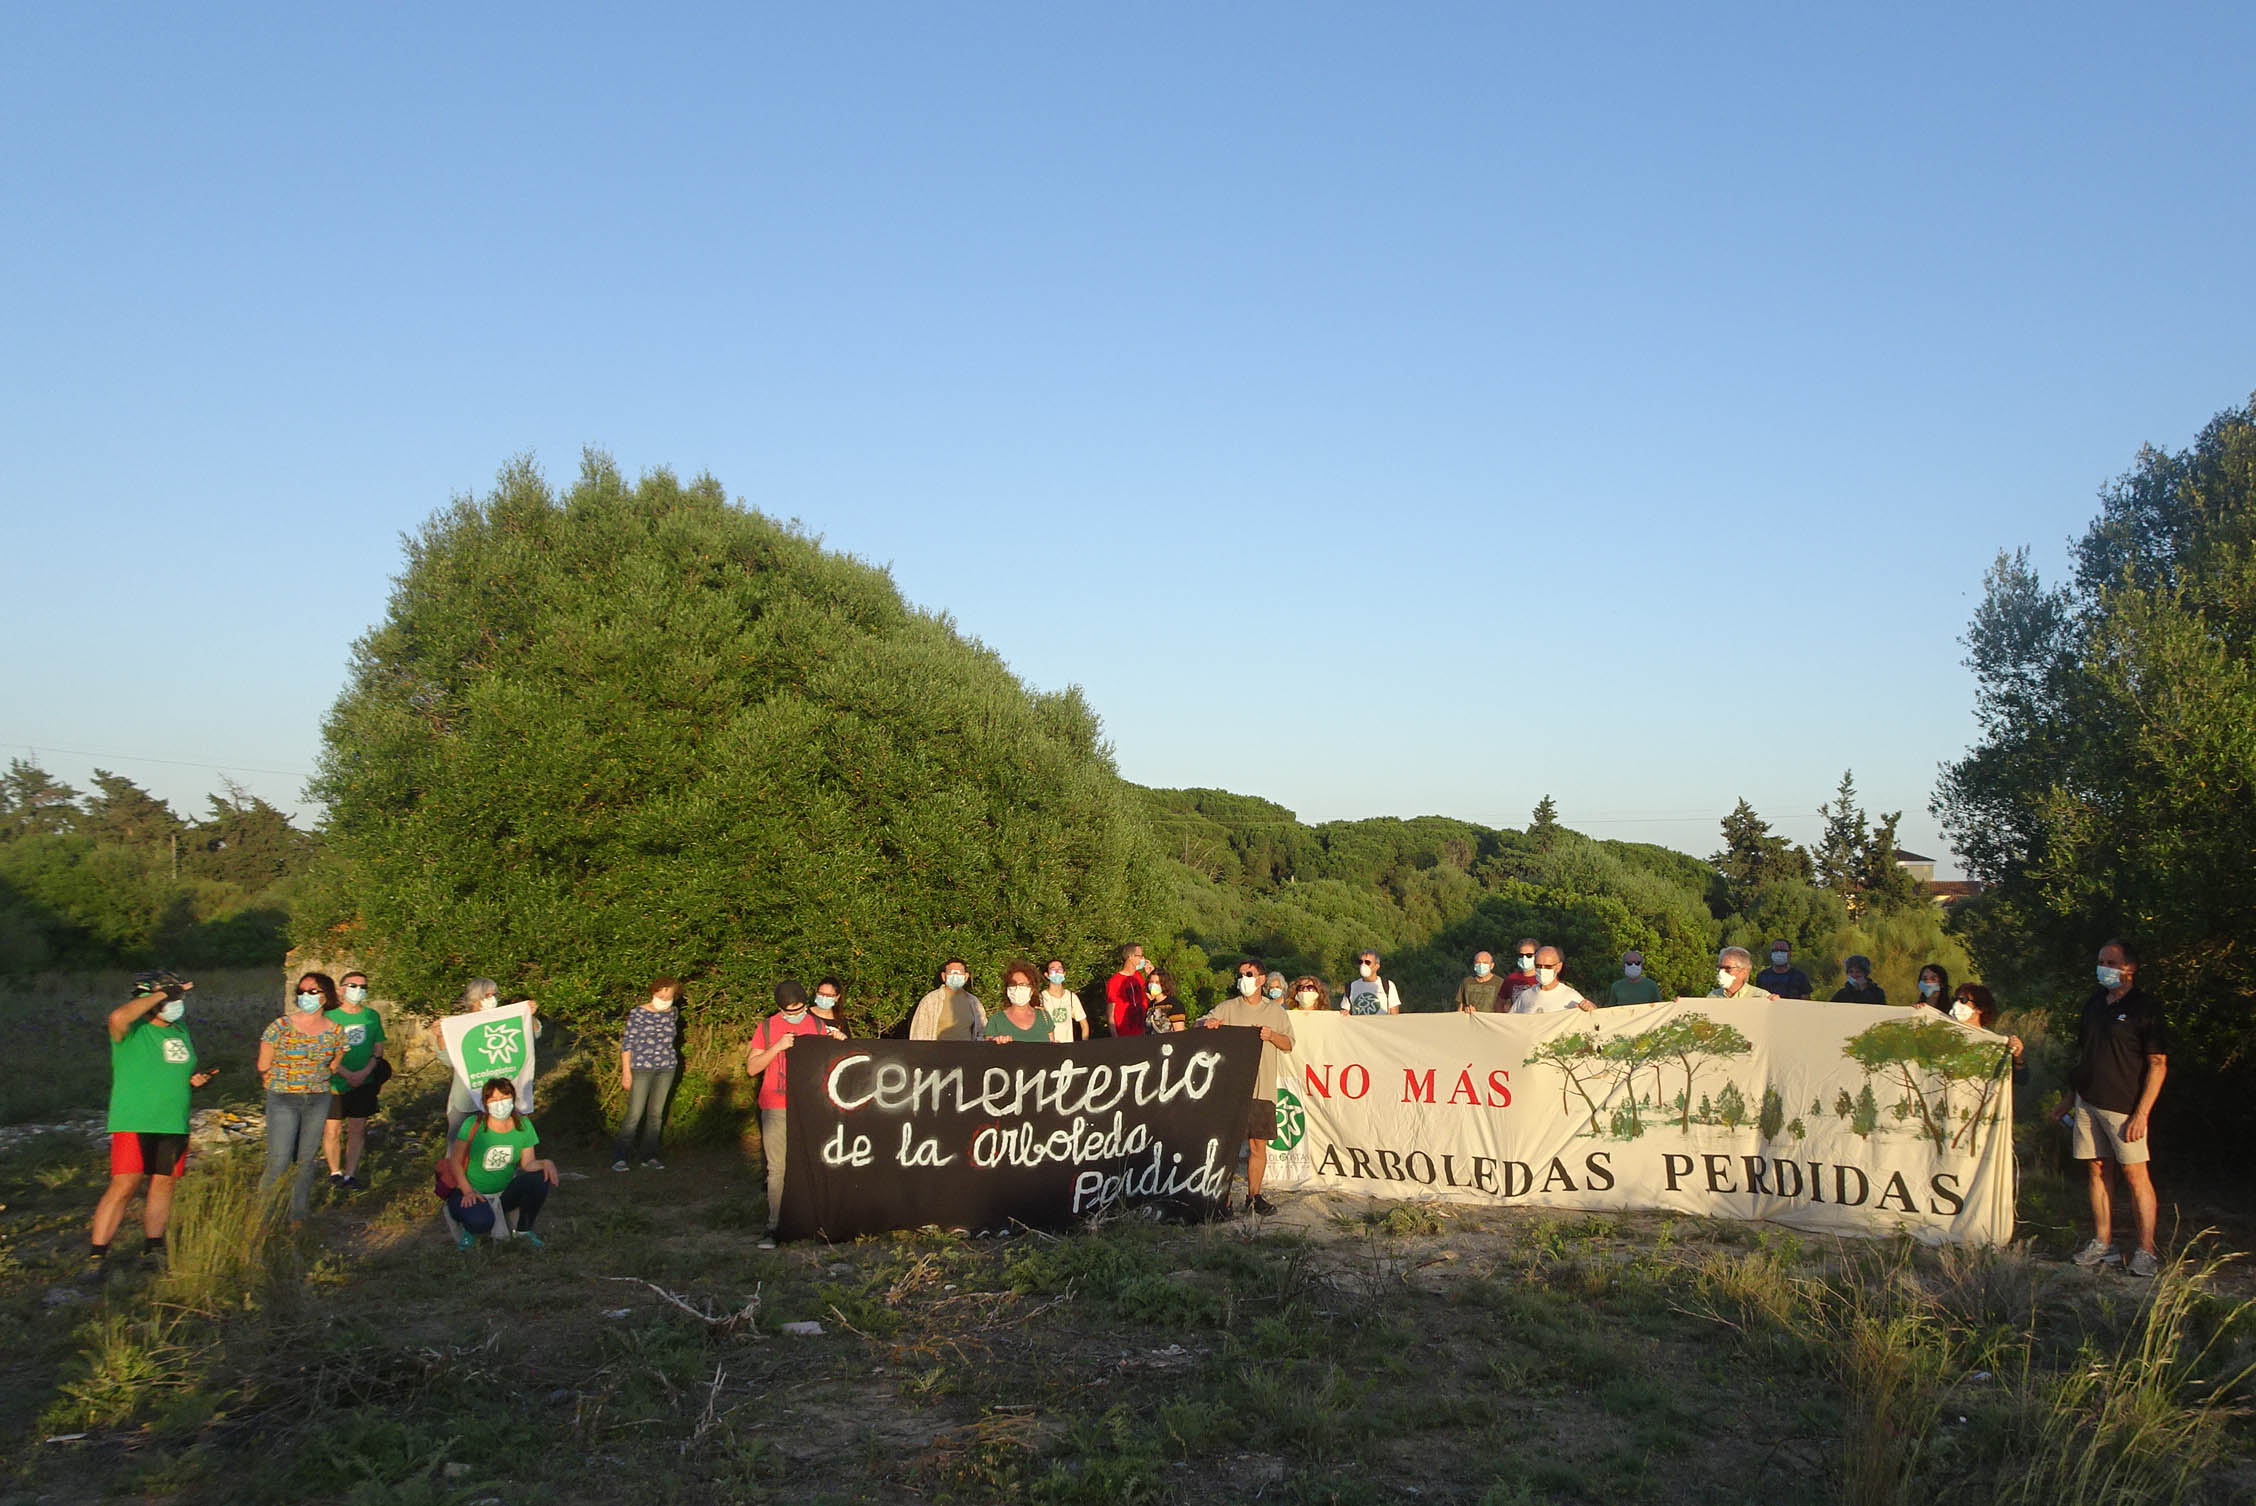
{"points": [[1550, 994], [1633, 987], [1733, 965]]}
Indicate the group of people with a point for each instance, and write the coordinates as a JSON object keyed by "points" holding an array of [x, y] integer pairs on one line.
{"points": [[323, 1064]]}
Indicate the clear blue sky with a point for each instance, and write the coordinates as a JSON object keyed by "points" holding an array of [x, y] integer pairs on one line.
{"points": [[1621, 402]]}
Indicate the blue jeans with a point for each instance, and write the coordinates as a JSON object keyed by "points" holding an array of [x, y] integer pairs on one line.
{"points": [[523, 1196], [293, 1132], [652, 1088]]}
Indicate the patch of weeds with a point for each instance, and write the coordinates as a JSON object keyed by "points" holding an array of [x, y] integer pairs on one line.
{"points": [[1556, 1478], [1403, 1220], [1327, 1488], [1109, 1461], [1118, 1271], [354, 1447], [1196, 1427]]}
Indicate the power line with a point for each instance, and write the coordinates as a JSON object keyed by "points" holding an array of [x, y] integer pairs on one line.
{"points": [[184, 763]]}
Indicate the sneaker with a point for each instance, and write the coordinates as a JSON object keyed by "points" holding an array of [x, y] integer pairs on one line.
{"points": [[652, 1163], [465, 1240], [336, 1180], [354, 1184], [2097, 1254], [2144, 1263], [619, 1166], [527, 1236], [767, 1240], [1261, 1205]]}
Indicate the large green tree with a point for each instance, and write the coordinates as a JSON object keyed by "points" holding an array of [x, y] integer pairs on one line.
{"points": [[2113, 785], [636, 729]]}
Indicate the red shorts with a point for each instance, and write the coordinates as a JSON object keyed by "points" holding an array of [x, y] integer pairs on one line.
{"points": [[135, 1153]]}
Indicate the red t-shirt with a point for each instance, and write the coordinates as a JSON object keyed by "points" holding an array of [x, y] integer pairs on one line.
{"points": [[774, 1028], [1126, 993]]}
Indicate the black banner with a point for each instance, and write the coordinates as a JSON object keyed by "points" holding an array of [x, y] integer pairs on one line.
{"points": [[980, 1136]]}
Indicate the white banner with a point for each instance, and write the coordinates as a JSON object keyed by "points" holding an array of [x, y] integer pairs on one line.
{"points": [[1842, 1118], [490, 1043]]}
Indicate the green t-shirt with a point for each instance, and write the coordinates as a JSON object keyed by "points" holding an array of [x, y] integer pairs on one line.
{"points": [[364, 1032], [149, 1072], [999, 1027], [494, 1157], [1634, 991]]}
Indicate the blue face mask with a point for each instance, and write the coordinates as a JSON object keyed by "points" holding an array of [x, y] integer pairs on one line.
{"points": [[1057, 977], [2110, 977], [1480, 969], [171, 1010], [1274, 993], [309, 1002], [955, 980], [1929, 986]]}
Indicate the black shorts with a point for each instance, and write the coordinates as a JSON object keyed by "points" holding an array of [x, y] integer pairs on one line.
{"points": [[1261, 1122], [360, 1102], [137, 1153]]}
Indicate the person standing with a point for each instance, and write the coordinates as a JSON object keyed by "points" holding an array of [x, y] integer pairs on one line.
{"points": [[1270, 1017], [1733, 964], [777, 1034], [649, 1061], [1370, 994], [1782, 979], [1309, 993], [1062, 1006], [1633, 987], [1551, 993], [353, 1090], [829, 1006], [478, 995], [1125, 991], [1934, 985], [493, 1157], [950, 1012], [2122, 1055], [1521, 976], [1477, 990], [298, 1055], [1019, 1019], [1859, 987], [1163, 1012], [152, 1069]]}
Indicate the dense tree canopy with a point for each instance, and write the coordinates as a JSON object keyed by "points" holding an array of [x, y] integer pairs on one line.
{"points": [[635, 729], [2113, 787]]}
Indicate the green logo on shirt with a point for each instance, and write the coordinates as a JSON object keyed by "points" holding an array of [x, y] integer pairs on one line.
{"points": [[1292, 1121]]}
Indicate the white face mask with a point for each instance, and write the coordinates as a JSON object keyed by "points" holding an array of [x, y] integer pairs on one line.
{"points": [[955, 980], [1963, 1012], [1633, 970], [2110, 977], [490, 1001], [1155, 991], [1019, 993], [1481, 969], [1724, 977], [1546, 976], [356, 992], [1778, 959], [309, 1002], [660, 1001], [1368, 969], [1306, 998], [1248, 987], [1527, 962], [171, 1009], [501, 1108]]}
